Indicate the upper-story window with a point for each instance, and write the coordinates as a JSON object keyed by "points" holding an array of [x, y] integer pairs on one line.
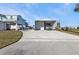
{"points": [[8, 17], [14, 17]]}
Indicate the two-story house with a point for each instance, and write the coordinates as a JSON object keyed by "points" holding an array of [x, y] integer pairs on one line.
{"points": [[10, 22]]}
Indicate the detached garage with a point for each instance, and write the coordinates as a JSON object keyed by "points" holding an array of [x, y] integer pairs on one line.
{"points": [[2, 26], [46, 24]]}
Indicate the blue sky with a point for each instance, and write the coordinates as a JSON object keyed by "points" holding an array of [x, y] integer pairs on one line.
{"points": [[63, 12]]}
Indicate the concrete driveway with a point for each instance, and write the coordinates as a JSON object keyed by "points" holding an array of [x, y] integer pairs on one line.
{"points": [[44, 43]]}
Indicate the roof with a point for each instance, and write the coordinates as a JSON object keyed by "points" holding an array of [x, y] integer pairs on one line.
{"points": [[1, 15], [45, 20]]}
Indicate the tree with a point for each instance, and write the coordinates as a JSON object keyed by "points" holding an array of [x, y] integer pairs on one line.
{"points": [[77, 8]]}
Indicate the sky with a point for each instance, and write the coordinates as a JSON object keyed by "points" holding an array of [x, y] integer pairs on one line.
{"points": [[62, 12]]}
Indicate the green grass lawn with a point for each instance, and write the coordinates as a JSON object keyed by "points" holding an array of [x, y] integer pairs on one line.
{"points": [[9, 37], [73, 31]]}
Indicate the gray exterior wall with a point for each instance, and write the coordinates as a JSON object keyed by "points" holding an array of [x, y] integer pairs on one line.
{"points": [[21, 22], [39, 25], [2, 26]]}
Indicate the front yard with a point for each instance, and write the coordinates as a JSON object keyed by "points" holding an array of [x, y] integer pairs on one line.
{"points": [[9, 37], [71, 31]]}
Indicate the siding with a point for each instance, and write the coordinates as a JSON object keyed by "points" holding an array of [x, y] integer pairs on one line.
{"points": [[2, 26]]}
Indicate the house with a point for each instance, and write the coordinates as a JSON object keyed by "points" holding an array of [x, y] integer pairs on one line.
{"points": [[11, 22], [46, 24]]}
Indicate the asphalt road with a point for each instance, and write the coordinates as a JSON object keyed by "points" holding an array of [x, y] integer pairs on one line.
{"points": [[44, 43]]}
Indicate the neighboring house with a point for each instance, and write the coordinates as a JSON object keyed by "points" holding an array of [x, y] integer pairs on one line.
{"points": [[46, 24], [15, 22]]}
